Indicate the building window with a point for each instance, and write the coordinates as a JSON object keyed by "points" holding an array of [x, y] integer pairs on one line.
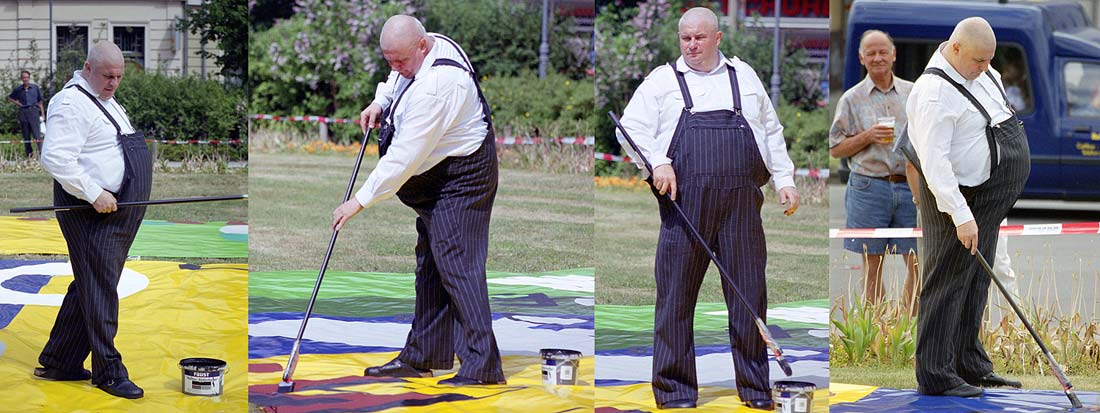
{"points": [[131, 39], [72, 48]]}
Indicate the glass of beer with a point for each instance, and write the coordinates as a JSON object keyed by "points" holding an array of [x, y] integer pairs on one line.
{"points": [[887, 121]]}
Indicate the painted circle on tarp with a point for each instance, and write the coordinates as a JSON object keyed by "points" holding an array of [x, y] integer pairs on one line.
{"points": [[130, 283], [234, 232]]}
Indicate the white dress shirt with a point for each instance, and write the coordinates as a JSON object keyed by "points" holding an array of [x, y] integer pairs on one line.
{"points": [[654, 111], [81, 149], [438, 116], [948, 133]]}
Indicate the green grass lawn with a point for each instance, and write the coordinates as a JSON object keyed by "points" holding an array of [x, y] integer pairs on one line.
{"points": [[904, 378], [540, 221], [627, 225], [35, 188]]}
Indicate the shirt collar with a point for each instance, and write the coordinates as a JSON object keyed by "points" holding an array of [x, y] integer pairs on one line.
{"points": [[82, 82], [867, 85], [682, 67], [939, 61], [429, 60]]}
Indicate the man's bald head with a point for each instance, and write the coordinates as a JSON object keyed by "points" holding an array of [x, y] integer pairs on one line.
{"points": [[104, 53], [699, 38], [971, 47], [700, 17], [405, 44], [402, 32], [104, 68], [974, 32]]}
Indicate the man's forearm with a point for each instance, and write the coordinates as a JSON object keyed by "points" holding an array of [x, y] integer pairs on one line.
{"points": [[849, 146]]}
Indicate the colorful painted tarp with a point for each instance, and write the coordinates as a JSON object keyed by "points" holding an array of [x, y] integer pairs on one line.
{"points": [[624, 353], [858, 399], [362, 319], [168, 311], [170, 239]]}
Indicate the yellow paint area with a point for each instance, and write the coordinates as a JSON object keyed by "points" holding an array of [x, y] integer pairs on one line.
{"points": [[524, 391], [711, 399], [180, 314]]}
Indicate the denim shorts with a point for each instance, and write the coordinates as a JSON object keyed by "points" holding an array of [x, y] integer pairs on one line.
{"points": [[878, 203]]}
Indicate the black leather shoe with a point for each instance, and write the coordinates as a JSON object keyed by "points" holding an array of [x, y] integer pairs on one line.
{"points": [[993, 380], [47, 373], [122, 388], [466, 381], [761, 404], [677, 404], [962, 390], [396, 368]]}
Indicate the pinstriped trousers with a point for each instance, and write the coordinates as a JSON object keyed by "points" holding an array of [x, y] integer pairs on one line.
{"points": [[98, 245], [955, 290], [719, 171], [729, 219], [453, 202]]}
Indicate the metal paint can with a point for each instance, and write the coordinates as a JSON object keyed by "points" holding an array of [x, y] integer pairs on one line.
{"points": [[560, 366], [793, 396], [203, 376]]}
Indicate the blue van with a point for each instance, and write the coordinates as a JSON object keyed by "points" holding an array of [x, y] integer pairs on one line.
{"points": [[1049, 58]]}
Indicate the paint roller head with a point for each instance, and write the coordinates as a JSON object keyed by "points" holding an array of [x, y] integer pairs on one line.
{"points": [[785, 365], [1073, 400], [285, 387]]}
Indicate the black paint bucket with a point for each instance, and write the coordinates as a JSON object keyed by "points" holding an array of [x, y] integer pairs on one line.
{"points": [[203, 376]]}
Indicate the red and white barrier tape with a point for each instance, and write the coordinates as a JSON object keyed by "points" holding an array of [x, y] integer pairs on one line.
{"points": [[166, 142], [1007, 230], [322, 119], [510, 140], [809, 172]]}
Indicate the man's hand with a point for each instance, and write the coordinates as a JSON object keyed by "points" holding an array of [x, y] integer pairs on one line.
{"points": [[789, 195], [664, 179], [344, 212], [105, 203], [372, 115], [968, 235], [879, 134]]}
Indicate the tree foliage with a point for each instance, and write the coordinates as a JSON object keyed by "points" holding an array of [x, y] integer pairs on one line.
{"points": [[226, 23]]}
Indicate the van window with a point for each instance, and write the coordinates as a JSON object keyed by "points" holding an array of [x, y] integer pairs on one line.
{"points": [[1010, 60], [1082, 89]]}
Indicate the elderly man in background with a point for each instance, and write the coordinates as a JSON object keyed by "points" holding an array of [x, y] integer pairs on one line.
{"points": [[974, 155], [95, 157], [710, 131], [438, 155], [877, 195], [28, 97]]}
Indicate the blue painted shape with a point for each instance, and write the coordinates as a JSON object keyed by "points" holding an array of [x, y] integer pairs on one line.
{"points": [[263, 347], [994, 400], [24, 283]]}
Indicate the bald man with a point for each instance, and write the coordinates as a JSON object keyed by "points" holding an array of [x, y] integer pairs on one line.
{"points": [[877, 194], [709, 129], [438, 155], [974, 156], [96, 157]]}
